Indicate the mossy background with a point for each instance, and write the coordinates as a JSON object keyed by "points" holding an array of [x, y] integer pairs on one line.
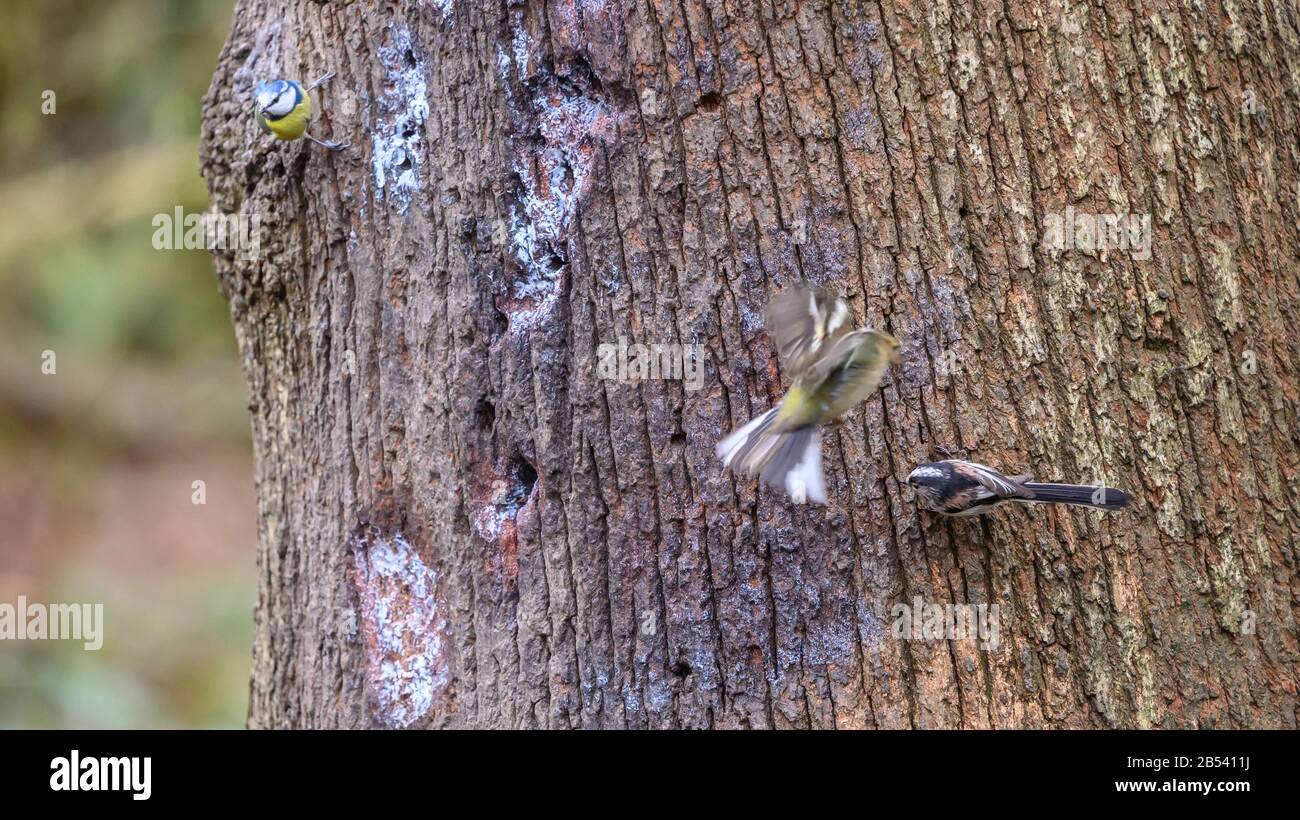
{"points": [[97, 462]]}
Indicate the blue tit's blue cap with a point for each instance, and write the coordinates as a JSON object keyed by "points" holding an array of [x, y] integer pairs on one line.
{"points": [[273, 86]]}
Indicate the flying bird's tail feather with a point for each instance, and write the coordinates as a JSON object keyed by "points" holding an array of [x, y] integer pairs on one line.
{"points": [[790, 460], [741, 443], [796, 465], [1082, 495]]}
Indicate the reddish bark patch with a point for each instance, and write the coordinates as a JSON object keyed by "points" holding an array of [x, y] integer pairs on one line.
{"points": [[497, 495]]}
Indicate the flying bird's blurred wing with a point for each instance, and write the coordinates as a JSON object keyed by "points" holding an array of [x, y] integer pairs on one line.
{"points": [[801, 320]]}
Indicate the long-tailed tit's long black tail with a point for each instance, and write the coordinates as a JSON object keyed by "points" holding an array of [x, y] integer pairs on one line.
{"points": [[1082, 495]]}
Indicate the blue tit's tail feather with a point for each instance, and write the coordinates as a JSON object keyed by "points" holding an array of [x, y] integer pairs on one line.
{"points": [[1083, 495], [791, 460]]}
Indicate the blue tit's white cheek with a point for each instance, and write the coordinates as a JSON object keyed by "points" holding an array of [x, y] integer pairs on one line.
{"points": [[276, 102]]}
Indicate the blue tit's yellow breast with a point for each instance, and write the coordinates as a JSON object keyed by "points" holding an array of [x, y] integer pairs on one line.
{"points": [[294, 124]]}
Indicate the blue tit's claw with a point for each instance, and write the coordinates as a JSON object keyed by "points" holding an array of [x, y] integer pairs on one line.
{"points": [[321, 79], [333, 146]]}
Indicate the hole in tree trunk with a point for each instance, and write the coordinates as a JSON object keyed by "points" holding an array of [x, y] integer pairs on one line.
{"points": [[709, 102], [527, 477], [485, 414]]}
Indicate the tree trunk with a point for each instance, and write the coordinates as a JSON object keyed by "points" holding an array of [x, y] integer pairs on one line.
{"points": [[464, 523]]}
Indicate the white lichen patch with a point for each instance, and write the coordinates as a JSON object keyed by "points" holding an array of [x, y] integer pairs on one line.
{"points": [[521, 46], [554, 159], [397, 142], [543, 286], [402, 629], [491, 518]]}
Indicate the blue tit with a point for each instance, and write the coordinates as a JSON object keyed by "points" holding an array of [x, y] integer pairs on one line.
{"points": [[284, 110], [832, 368]]}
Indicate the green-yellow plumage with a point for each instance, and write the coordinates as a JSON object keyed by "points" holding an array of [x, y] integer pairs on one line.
{"points": [[848, 370]]}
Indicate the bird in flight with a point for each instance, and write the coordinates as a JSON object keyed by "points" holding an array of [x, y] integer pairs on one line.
{"points": [[832, 368]]}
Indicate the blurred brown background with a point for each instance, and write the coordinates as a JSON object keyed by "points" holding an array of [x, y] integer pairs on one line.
{"points": [[97, 462]]}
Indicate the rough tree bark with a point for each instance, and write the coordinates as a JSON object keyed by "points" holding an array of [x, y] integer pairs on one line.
{"points": [[462, 525]]}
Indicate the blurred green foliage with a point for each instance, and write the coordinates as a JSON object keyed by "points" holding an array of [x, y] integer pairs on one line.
{"points": [[96, 463], [129, 78]]}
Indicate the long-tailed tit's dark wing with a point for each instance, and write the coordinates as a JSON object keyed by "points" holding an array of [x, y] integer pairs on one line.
{"points": [[993, 481]]}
